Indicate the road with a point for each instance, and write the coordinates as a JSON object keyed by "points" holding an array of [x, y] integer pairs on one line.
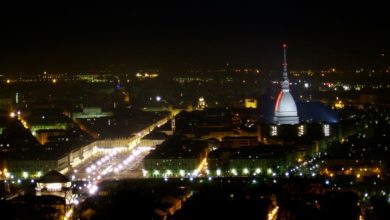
{"points": [[118, 165]]}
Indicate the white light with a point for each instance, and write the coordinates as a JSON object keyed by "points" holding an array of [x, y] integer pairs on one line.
{"points": [[326, 130], [306, 85], [93, 189], [54, 186], [218, 172], [25, 175], [158, 98], [274, 130], [346, 87], [168, 172], [301, 130]]}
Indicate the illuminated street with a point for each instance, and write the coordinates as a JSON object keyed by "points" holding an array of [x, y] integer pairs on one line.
{"points": [[113, 166]]}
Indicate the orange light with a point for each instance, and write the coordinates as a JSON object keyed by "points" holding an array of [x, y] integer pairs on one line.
{"points": [[278, 101]]}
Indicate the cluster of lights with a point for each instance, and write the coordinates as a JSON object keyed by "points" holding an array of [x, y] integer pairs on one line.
{"points": [[307, 164], [136, 152], [68, 214], [273, 214], [103, 167], [326, 130], [297, 170], [182, 173], [24, 175], [14, 114], [274, 130], [99, 163], [301, 130]]}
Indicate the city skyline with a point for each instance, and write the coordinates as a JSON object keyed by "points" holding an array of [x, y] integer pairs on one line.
{"points": [[196, 110]]}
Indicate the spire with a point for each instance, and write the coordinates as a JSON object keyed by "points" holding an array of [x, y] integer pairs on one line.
{"points": [[285, 73], [285, 82]]}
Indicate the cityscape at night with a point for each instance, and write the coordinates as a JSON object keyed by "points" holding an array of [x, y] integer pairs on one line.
{"points": [[195, 110]]}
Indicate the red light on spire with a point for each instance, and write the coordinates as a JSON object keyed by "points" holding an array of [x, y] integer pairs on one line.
{"points": [[284, 45]]}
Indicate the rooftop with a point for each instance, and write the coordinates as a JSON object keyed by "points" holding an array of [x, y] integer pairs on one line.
{"points": [[256, 152], [178, 147], [53, 177]]}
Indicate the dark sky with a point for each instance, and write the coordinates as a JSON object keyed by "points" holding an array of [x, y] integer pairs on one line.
{"points": [[191, 34]]}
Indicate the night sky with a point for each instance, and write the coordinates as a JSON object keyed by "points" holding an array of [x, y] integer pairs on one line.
{"points": [[203, 34]]}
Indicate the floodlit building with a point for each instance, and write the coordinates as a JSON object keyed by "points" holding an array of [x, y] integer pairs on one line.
{"points": [[201, 104], [91, 112], [250, 103], [177, 156], [55, 184], [285, 107], [256, 160]]}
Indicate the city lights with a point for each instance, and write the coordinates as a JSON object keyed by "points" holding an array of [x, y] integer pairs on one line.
{"points": [[175, 122]]}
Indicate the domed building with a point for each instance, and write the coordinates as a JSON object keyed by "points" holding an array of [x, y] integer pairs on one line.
{"points": [[285, 107]]}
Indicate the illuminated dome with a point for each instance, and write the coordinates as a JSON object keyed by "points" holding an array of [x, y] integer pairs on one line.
{"points": [[285, 107]]}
